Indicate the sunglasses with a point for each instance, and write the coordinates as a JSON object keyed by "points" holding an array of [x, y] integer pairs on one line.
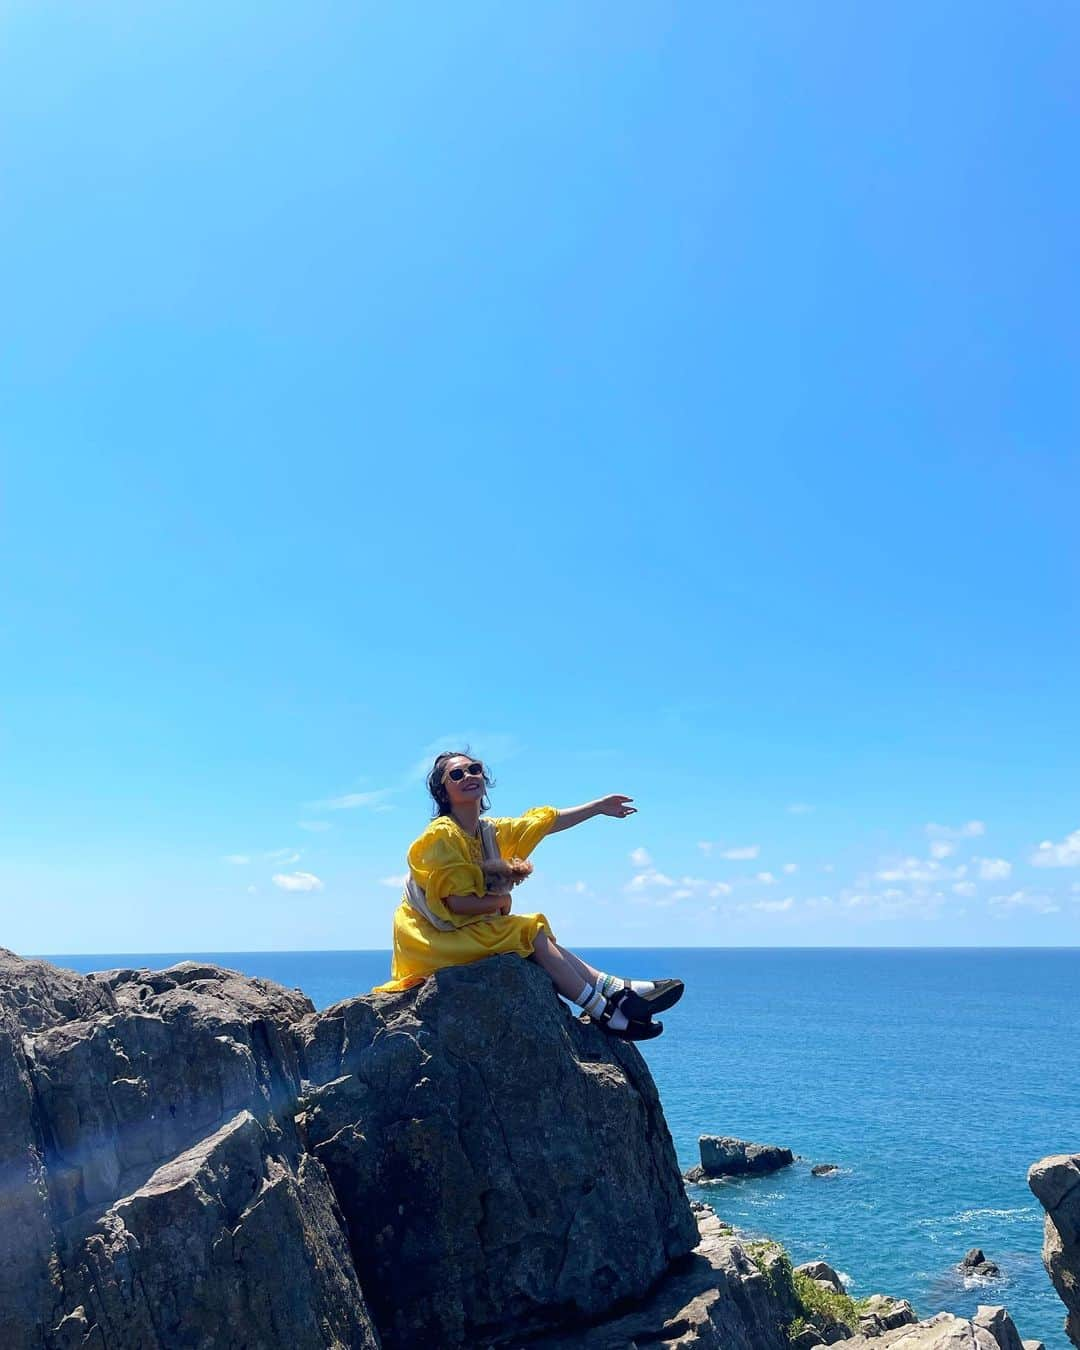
{"points": [[473, 771]]}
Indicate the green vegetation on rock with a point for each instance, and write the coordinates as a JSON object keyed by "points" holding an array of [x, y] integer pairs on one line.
{"points": [[817, 1305]]}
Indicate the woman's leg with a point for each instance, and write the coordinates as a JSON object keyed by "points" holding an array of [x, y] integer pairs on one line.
{"points": [[569, 973], [590, 989]]}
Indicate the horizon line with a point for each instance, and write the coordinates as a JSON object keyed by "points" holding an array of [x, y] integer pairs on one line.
{"points": [[387, 951]]}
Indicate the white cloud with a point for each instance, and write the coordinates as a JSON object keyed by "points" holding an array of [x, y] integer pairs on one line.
{"points": [[314, 826], [970, 830], [766, 877], [1065, 854], [739, 854], [282, 856], [791, 867], [395, 882], [351, 800], [681, 895], [644, 880], [297, 881], [914, 869], [238, 859], [774, 906], [828, 867], [641, 857], [964, 888], [719, 888], [941, 848], [1039, 904], [799, 808], [705, 846], [252, 890], [994, 869]]}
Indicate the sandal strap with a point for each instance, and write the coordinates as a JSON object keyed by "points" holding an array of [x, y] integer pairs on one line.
{"points": [[614, 1002]]}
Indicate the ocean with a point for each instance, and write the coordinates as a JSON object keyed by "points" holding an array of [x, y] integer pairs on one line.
{"points": [[933, 1078]]}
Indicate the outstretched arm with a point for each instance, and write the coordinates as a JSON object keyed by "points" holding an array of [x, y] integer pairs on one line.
{"points": [[615, 805]]}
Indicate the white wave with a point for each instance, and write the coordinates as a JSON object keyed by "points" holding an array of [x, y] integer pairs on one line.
{"points": [[1018, 1214]]}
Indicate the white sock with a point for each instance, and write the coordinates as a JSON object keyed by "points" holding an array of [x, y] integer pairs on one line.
{"points": [[590, 1000], [608, 984]]}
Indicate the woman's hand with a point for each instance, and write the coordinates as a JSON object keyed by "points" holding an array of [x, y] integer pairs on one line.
{"points": [[615, 805], [511, 871], [505, 902]]}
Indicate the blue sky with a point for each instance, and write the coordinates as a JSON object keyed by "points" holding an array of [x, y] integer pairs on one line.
{"points": [[670, 400]]}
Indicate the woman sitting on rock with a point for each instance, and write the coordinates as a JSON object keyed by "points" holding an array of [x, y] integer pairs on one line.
{"points": [[456, 906]]}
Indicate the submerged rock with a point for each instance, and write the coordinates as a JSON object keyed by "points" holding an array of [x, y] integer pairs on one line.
{"points": [[823, 1169], [975, 1263], [1055, 1183]]}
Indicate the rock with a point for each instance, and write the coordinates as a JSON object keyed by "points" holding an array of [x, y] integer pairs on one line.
{"points": [[975, 1263], [224, 1237], [155, 1187], [1000, 1325], [836, 1331], [1055, 1183], [502, 1166], [824, 1169], [716, 1299], [823, 1273], [193, 1159], [1033, 1345], [722, 1156], [881, 1313], [943, 1332]]}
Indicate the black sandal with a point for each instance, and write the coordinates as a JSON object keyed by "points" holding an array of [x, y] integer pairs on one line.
{"points": [[633, 1031], [636, 1029], [640, 1007]]}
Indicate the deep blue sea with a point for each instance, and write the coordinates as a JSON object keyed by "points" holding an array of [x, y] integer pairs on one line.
{"points": [[934, 1078]]}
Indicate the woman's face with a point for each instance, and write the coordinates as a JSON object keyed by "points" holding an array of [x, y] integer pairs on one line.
{"points": [[467, 787]]}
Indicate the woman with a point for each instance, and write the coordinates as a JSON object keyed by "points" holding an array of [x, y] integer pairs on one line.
{"points": [[457, 902]]}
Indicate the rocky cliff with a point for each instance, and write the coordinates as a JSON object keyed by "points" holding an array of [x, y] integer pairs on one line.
{"points": [[1055, 1183], [191, 1158]]}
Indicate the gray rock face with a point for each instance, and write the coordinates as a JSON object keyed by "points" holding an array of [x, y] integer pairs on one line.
{"points": [[882, 1313], [718, 1299], [723, 1156], [501, 1166], [156, 1192], [821, 1270], [824, 1169], [1055, 1183], [946, 1332]]}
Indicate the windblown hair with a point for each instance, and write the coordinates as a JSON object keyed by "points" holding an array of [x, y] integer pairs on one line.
{"points": [[437, 787]]}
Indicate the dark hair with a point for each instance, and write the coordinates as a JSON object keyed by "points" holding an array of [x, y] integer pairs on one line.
{"points": [[437, 787]]}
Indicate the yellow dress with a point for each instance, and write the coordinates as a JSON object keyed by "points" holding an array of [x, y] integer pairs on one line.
{"points": [[446, 861]]}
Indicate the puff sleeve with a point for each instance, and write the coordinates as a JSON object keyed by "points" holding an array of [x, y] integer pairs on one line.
{"points": [[519, 835], [440, 864]]}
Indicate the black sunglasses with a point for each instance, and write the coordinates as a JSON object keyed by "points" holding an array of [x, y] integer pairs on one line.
{"points": [[473, 771]]}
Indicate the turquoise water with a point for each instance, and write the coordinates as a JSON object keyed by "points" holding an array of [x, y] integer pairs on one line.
{"points": [[934, 1078]]}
